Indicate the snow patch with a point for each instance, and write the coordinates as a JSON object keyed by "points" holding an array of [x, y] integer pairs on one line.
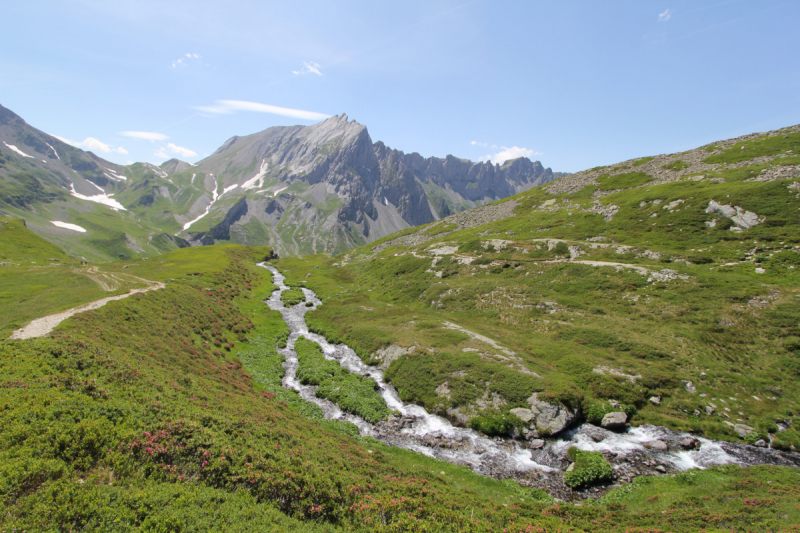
{"points": [[67, 225], [229, 188], [192, 182], [214, 198], [104, 199], [15, 149], [257, 181], [54, 151], [113, 175]]}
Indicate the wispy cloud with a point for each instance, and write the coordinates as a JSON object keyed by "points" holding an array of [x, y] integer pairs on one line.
{"points": [[94, 145], [172, 150], [507, 154], [146, 135], [225, 107], [485, 145], [309, 67], [665, 16], [184, 61], [180, 150]]}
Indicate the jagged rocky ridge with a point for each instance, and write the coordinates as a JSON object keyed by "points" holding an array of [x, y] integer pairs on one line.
{"points": [[328, 187]]}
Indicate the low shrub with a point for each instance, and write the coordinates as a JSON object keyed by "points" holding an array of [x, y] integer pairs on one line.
{"points": [[590, 468], [495, 423]]}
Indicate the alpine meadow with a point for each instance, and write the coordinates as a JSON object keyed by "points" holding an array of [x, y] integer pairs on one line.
{"points": [[305, 329]]}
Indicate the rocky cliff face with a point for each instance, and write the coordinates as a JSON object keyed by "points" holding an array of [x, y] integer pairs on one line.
{"points": [[331, 177]]}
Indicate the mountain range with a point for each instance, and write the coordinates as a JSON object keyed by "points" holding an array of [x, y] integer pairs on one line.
{"points": [[301, 189]]}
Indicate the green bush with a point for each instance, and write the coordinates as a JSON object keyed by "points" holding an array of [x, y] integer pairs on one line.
{"points": [[755, 436], [590, 468], [353, 393], [495, 423], [292, 297]]}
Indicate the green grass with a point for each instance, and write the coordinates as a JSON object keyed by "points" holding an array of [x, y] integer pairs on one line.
{"points": [[641, 161], [676, 165], [353, 393], [623, 181], [292, 297], [764, 146]]}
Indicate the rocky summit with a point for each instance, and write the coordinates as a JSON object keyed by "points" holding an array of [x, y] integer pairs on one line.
{"points": [[301, 189]]}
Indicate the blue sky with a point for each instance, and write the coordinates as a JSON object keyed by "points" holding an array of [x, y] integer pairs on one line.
{"points": [[573, 84]]}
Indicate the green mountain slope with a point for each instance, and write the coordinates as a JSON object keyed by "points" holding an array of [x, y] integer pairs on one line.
{"points": [[665, 284]]}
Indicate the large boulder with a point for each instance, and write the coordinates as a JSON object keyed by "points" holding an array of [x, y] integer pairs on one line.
{"points": [[614, 421], [742, 430], [546, 418]]}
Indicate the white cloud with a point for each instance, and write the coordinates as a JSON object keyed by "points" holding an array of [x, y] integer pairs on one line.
{"points": [[94, 145], [162, 154], [183, 61], [509, 153], [90, 143], [225, 107], [180, 150], [476, 143], [146, 135], [665, 16], [309, 67]]}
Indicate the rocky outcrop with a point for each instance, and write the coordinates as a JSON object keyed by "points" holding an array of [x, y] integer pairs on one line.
{"points": [[544, 418], [743, 219]]}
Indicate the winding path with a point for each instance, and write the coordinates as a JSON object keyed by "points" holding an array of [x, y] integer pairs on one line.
{"points": [[43, 326]]}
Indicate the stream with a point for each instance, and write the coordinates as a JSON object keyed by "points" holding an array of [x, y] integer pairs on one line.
{"points": [[540, 464]]}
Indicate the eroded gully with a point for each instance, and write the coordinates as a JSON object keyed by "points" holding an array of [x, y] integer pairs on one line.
{"points": [[631, 453]]}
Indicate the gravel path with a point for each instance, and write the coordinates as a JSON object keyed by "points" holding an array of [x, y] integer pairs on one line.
{"points": [[42, 326]]}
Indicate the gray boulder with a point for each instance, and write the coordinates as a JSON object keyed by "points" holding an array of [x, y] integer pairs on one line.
{"points": [[615, 420], [742, 430], [548, 418], [657, 445], [690, 443], [655, 400]]}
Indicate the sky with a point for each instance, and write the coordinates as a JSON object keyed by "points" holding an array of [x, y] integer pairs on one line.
{"points": [[574, 84]]}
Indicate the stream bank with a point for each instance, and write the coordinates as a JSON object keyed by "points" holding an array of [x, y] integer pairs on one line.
{"points": [[643, 450]]}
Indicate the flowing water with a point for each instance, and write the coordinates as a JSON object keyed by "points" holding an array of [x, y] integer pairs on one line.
{"points": [[631, 452]]}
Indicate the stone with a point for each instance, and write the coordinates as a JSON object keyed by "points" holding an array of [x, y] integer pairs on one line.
{"points": [[597, 437], [690, 443], [537, 444], [657, 445], [761, 443], [615, 420], [690, 387], [742, 430], [655, 400], [550, 418], [709, 410], [526, 415], [662, 469]]}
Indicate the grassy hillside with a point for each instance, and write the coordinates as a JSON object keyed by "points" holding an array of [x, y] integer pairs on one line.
{"points": [[164, 412], [608, 285]]}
